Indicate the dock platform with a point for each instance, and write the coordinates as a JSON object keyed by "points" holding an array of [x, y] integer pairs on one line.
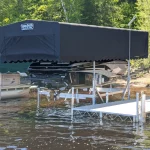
{"points": [[126, 108]]}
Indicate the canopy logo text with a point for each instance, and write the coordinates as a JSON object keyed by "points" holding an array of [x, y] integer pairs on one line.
{"points": [[27, 26]]}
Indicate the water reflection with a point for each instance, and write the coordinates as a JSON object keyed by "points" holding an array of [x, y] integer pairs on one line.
{"points": [[54, 130], [12, 148]]}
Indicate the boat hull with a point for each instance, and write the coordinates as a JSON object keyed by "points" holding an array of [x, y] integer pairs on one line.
{"points": [[14, 92]]}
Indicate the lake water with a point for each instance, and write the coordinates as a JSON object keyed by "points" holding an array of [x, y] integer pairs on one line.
{"points": [[57, 132]]}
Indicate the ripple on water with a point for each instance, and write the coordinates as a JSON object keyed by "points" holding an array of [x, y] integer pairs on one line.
{"points": [[54, 130]]}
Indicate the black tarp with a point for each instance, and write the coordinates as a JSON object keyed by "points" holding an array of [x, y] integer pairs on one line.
{"points": [[52, 41], [37, 42], [82, 42]]}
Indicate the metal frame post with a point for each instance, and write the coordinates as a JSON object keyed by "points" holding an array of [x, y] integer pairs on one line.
{"points": [[72, 103], [100, 79], [93, 100], [107, 97], [129, 71], [100, 115], [143, 113], [101, 118], [110, 87], [77, 96], [134, 120], [38, 98], [129, 24], [137, 107]]}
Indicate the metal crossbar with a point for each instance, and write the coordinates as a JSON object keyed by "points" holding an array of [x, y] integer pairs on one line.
{"points": [[105, 116]]}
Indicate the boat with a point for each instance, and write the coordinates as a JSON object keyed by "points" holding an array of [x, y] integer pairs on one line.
{"points": [[57, 75], [11, 87], [11, 92]]}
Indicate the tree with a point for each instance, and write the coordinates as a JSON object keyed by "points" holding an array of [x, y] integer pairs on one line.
{"points": [[6, 10], [128, 10], [72, 10], [143, 23], [109, 13], [89, 12]]}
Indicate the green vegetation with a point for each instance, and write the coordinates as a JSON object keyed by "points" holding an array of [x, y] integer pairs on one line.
{"points": [[113, 13], [98, 12]]}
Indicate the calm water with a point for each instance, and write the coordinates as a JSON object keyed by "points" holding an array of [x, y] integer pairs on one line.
{"points": [[57, 132]]}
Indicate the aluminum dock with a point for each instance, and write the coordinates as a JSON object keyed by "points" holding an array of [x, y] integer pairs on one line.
{"points": [[134, 109]]}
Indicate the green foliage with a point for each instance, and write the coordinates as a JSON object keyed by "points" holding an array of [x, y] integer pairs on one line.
{"points": [[89, 12], [103, 12], [128, 9], [143, 23], [109, 13]]}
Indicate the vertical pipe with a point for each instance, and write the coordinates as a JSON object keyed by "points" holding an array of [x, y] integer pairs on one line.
{"points": [[72, 103], [134, 119], [93, 100], [101, 117], [38, 98], [77, 96], [128, 79], [100, 79], [107, 97], [110, 87], [129, 62], [143, 113], [137, 107]]}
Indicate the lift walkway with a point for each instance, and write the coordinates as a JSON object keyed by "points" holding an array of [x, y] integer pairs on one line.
{"points": [[137, 110]]}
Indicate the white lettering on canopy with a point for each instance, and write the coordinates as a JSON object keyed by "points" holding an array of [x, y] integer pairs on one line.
{"points": [[27, 26]]}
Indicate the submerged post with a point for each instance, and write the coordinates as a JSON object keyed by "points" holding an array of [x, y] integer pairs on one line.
{"points": [[93, 100], [111, 87], [101, 118], [72, 103], [107, 97], [143, 113], [77, 96], [137, 107], [38, 98]]}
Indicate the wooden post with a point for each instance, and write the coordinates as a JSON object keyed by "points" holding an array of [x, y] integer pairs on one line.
{"points": [[137, 107], [72, 103], [143, 113]]}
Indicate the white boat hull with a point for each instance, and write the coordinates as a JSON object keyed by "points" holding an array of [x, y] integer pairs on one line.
{"points": [[14, 92]]}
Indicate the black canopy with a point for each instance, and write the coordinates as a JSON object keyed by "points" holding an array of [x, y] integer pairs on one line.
{"points": [[52, 41]]}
